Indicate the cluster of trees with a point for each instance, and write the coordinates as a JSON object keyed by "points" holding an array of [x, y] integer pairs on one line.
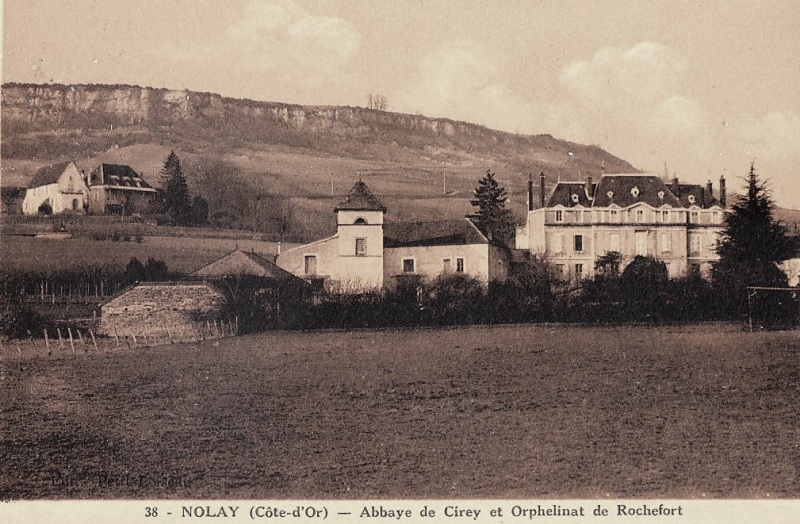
{"points": [[378, 102]]}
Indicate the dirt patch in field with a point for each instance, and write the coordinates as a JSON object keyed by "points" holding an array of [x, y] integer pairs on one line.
{"points": [[506, 411]]}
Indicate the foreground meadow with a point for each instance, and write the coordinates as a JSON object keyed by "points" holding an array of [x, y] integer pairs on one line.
{"points": [[478, 412]]}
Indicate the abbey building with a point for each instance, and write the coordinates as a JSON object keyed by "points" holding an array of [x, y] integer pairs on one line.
{"points": [[634, 214]]}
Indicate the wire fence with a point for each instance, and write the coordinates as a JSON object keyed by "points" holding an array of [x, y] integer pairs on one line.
{"points": [[74, 341]]}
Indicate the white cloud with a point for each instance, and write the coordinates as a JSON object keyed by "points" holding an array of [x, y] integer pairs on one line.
{"points": [[273, 50], [458, 81], [776, 135], [279, 33]]}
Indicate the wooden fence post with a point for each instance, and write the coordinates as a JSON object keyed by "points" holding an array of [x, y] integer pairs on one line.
{"points": [[47, 341], [116, 337], [237, 324], [71, 342], [60, 339], [94, 341], [83, 342]]}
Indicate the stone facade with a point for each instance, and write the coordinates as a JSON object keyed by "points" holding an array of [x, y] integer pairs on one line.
{"points": [[633, 215], [155, 308]]}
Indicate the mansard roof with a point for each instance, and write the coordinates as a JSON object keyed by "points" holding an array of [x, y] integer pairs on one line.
{"points": [[570, 194], [627, 190], [438, 233], [694, 195], [360, 198], [49, 174]]}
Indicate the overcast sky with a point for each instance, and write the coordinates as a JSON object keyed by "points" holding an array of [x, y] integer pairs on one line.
{"points": [[706, 87]]}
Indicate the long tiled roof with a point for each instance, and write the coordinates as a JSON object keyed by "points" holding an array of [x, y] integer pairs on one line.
{"points": [[438, 233], [48, 174], [360, 198]]}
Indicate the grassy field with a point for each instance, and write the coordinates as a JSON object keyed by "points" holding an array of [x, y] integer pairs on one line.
{"points": [[507, 411]]}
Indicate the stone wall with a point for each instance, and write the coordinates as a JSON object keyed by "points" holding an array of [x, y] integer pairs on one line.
{"points": [[155, 308]]}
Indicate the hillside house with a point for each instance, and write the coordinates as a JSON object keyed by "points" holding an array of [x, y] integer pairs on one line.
{"points": [[118, 189], [631, 214], [366, 254], [61, 186], [160, 308]]}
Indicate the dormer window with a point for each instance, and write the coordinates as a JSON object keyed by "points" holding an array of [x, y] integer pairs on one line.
{"points": [[610, 194], [575, 198], [360, 221], [692, 199], [661, 195], [635, 192]]}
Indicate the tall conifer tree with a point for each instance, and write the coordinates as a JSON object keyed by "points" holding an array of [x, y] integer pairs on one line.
{"points": [[492, 217], [751, 244]]}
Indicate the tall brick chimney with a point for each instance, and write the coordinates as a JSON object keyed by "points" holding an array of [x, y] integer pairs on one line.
{"points": [[722, 195], [709, 192], [530, 191], [541, 190], [675, 188]]}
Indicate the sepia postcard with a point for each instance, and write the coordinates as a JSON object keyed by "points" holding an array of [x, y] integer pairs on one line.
{"points": [[407, 260]]}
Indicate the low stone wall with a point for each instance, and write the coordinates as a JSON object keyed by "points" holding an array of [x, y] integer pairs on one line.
{"points": [[156, 309]]}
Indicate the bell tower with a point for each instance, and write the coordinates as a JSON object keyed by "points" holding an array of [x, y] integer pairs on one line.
{"points": [[359, 226]]}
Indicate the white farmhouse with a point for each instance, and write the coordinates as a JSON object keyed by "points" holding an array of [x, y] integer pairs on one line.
{"points": [[367, 254], [62, 187]]}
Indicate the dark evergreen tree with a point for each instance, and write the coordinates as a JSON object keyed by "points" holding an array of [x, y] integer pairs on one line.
{"points": [[751, 244], [175, 190], [492, 217]]}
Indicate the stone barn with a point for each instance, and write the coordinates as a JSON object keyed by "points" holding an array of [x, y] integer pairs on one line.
{"points": [[160, 308]]}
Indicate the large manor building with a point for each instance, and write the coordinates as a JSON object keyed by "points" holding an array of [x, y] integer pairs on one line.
{"points": [[632, 215]]}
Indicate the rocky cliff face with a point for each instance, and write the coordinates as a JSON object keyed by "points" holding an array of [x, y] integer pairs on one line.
{"points": [[31, 106]]}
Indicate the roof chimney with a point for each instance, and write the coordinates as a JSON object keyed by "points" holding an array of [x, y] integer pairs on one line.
{"points": [[541, 190], [530, 191], [589, 186], [709, 191], [676, 188], [722, 196]]}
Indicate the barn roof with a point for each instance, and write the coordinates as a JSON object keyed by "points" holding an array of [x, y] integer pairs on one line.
{"points": [[360, 198], [438, 233], [243, 263], [49, 174]]}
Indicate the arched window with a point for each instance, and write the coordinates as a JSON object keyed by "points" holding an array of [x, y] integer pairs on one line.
{"points": [[360, 221]]}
